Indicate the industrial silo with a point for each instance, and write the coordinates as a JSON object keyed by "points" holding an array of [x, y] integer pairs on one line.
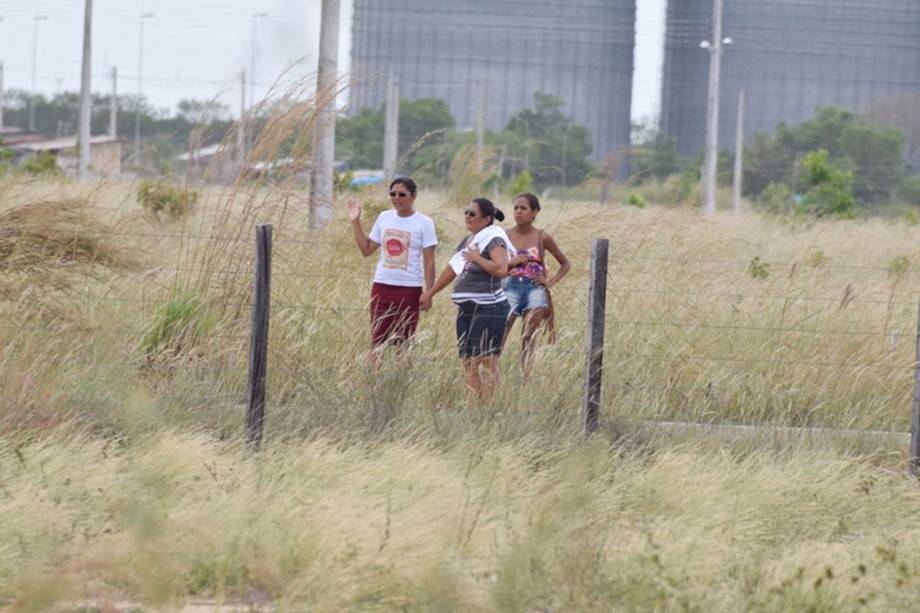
{"points": [[790, 57], [578, 50]]}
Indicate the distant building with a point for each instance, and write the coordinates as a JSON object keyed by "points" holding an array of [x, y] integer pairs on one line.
{"points": [[580, 51], [215, 160], [105, 152], [11, 136], [791, 57]]}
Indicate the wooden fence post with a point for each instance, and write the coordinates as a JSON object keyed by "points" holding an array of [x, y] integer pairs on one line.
{"points": [[915, 415], [258, 344], [597, 303]]}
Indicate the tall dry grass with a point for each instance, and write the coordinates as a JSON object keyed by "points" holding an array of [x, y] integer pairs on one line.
{"points": [[714, 320], [176, 518], [124, 385]]}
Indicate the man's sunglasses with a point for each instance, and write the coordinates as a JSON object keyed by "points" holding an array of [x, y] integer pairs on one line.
{"points": [[394, 194]]}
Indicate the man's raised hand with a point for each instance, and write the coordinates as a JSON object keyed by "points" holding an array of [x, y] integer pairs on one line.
{"points": [[354, 210]]}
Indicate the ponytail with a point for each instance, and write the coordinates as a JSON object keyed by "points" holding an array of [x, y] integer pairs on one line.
{"points": [[487, 209]]}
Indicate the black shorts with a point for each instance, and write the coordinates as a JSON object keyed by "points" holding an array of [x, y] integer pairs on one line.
{"points": [[480, 328]]}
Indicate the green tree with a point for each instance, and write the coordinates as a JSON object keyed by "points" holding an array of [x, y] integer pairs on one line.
{"points": [[359, 139], [195, 111], [166, 135], [652, 157], [548, 144], [427, 120], [423, 128], [828, 189], [872, 153]]}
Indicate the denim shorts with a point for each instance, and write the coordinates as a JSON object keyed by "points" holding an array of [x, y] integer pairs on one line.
{"points": [[523, 294], [480, 328]]}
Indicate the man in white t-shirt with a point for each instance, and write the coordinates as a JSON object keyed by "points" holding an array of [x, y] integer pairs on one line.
{"points": [[408, 240]]}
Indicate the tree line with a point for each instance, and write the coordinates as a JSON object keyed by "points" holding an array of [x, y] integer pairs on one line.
{"points": [[851, 159], [540, 140]]}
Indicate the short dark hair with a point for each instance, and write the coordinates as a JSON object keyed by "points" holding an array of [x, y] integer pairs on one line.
{"points": [[409, 183], [487, 209], [532, 200]]}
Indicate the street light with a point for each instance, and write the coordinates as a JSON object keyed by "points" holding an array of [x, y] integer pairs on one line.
{"points": [[252, 59], [706, 44], [34, 64], [140, 75]]}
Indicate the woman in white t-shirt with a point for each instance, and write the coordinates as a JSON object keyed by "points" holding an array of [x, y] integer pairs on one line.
{"points": [[407, 257]]}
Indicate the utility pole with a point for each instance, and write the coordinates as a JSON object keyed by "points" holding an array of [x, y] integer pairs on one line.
{"points": [[140, 90], [481, 121], [712, 110], [503, 153], [113, 106], [252, 76], [321, 198], [391, 128], [565, 148], [86, 97], [252, 58], [739, 156], [34, 68], [240, 128]]}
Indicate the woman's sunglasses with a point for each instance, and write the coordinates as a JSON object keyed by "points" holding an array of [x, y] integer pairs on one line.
{"points": [[470, 213]]}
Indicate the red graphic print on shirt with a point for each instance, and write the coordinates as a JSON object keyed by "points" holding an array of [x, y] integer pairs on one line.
{"points": [[396, 248]]}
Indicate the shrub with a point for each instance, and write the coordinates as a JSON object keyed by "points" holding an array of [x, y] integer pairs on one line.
{"points": [[776, 199], [6, 157], [898, 265], [180, 323], [685, 188], [44, 164], [521, 183], [817, 258], [160, 198], [342, 181], [830, 189], [759, 269], [637, 200]]}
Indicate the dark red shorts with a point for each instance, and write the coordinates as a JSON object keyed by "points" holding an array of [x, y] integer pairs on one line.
{"points": [[394, 313]]}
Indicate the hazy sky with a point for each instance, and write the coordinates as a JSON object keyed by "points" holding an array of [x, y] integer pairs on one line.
{"points": [[197, 48]]}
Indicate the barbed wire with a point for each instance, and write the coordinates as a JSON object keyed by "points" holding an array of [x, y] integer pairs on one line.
{"points": [[618, 255], [843, 300], [445, 316], [705, 326], [775, 361]]}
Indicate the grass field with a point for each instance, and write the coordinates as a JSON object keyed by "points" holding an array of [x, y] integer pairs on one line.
{"points": [[124, 370]]}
